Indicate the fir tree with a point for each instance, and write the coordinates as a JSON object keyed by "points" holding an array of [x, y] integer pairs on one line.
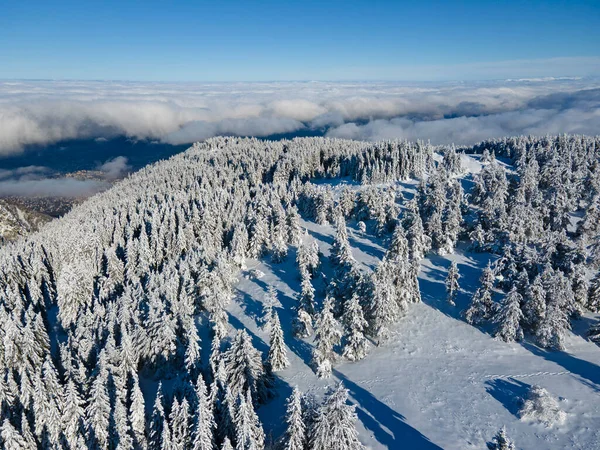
{"points": [[295, 435], [203, 420], [482, 306], [249, 432], [355, 342], [11, 438], [593, 300], [277, 358], [327, 336], [501, 441], [157, 420], [510, 317], [244, 368], [452, 286], [137, 413], [335, 423]]}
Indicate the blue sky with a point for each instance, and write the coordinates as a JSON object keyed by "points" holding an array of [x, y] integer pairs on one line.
{"points": [[308, 40]]}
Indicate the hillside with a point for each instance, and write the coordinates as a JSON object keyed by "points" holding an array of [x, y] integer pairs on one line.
{"points": [[16, 220], [153, 308]]}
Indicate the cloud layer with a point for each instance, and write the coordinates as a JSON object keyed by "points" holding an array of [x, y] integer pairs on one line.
{"points": [[40, 113]]}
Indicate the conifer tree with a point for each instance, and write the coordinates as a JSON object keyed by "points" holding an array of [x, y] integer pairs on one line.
{"points": [[501, 441], [227, 445], [452, 286], [509, 317], [335, 423], [203, 420], [277, 358], [249, 432], [295, 435], [593, 300], [98, 408], [244, 368], [327, 336], [383, 308], [355, 342], [137, 412], [11, 438], [482, 306], [157, 421]]}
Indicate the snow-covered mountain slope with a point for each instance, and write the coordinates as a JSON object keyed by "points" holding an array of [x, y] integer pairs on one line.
{"points": [[18, 221], [177, 297], [439, 382]]}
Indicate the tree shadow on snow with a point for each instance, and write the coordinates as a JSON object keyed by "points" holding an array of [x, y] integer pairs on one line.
{"points": [[590, 372], [388, 426], [509, 392]]}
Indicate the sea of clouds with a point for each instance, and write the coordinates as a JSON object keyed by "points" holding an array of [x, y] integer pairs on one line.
{"points": [[38, 113], [46, 112]]}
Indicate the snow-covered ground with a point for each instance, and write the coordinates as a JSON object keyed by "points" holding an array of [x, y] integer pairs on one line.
{"points": [[438, 382]]}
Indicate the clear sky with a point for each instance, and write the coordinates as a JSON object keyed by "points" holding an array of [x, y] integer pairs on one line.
{"points": [[298, 40]]}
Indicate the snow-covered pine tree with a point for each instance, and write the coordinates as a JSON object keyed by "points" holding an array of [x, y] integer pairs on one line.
{"points": [[593, 300], [452, 286], [327, 336], [553, 328], [295, 437], [534, 308], [249, 431], [180, 425], [594, 333], [157, 421], [277, 358], [341, 253], [12, 438], [269, 302], [482, 306], [356, 344], [137, 413], [98, 409], [335, 423], [383, 308], [244, 368], [227, 445], [509, 317], [203, 419], [501, 441]]}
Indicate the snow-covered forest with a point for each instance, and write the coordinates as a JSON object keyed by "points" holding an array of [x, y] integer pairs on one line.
{"points": [[314, 294]]}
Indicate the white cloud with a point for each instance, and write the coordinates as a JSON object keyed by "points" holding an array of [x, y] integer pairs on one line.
{"points": [[47, 112], [115, 168]]}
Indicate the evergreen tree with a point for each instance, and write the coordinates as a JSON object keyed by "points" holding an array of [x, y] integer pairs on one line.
{"points": [[157, 421], [11, 438], [383, 309], [335, 423], [249, 432], [501, 441], [551, 331], [327, 336], [482, 306], [295, 435], [355, 342], [137, 413], [98, 408], [244, 368], [510, 317], [593, 301], [227, 445], [203, 420], [534, 308], [452, 286], [277, 358]]}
